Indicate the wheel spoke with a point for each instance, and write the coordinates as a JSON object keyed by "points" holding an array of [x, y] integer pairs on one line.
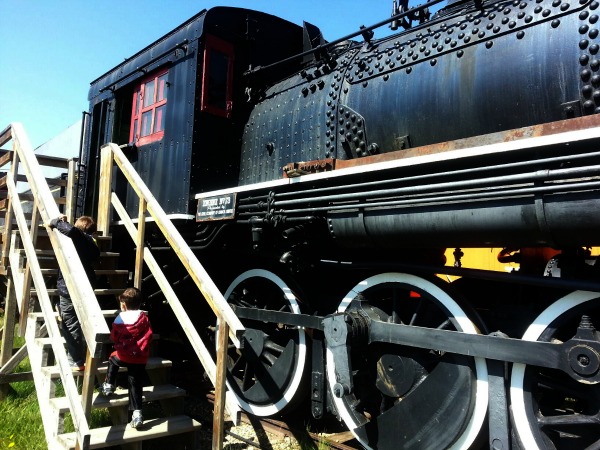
{"points": [[274, 347], [564, 421], [247, 379]]}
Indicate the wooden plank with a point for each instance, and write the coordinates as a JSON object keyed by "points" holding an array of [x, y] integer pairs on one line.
{"points": [[121, 434], [6, 347], [26, 288], [85, 303], [14, 361], [8, 217], [20, 177], [154, 363], [6, 158], [139, 244], [220, 387], [89, 380], [6, 134], [71, 191], [53, 161], [121, 397], [104, 187], [5, 379]]}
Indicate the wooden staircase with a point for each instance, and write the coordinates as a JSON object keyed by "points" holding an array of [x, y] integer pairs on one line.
{"points": [[55, 408], [30, 260]]}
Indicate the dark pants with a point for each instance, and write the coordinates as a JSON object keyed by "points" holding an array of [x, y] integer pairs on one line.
{"points": [[135, 379], [71, 331]]}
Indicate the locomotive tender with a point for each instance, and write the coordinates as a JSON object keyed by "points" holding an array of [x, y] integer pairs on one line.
{"points": [[321, 182]]}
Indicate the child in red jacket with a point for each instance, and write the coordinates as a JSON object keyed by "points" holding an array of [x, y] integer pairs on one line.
{"points": [[131, 334]]}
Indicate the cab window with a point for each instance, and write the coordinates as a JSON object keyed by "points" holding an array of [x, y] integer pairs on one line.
{"points": [[217, 79], [148, 109]]}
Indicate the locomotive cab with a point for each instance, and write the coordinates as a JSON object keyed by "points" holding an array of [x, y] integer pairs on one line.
{"points": [[177, 106]]}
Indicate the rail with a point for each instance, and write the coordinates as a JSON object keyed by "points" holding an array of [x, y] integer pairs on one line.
{"points": [[229, 324], [94, 327]]}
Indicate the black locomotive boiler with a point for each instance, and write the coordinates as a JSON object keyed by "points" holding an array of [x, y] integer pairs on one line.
{"points": [[321, 182]]}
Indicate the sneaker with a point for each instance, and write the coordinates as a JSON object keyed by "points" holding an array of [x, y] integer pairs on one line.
{"points": [[136, 419], [107, 389], [75, 367]]}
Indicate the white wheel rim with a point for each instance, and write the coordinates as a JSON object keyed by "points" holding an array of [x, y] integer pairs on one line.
{"points": [[464, 325], [533, 332], [292, 388]]}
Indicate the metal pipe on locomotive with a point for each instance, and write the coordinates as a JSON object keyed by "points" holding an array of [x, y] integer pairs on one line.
{"points": [[321, 183]]}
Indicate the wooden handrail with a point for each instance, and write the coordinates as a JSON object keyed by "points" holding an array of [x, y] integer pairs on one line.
{"points": [[209, 290], [230, 323], [87, 308], [94, 327]]}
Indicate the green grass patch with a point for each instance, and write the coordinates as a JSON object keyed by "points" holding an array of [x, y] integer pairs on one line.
{"points": [[20, 420]]}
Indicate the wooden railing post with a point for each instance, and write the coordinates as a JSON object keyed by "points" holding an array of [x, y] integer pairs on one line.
{"points": [[139, 242], [8, 336], [104, 188], [71, 191], [220, 386], [8, 217]]}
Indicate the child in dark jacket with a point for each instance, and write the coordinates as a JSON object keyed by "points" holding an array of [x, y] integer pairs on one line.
{"points": [[81, 235], [131, 334]]}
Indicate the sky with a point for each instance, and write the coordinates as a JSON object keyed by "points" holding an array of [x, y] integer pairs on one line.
{"points": [[51, 50]]}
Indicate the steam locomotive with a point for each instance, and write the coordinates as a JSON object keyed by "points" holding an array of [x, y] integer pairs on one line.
{"points": [[321, 184]]}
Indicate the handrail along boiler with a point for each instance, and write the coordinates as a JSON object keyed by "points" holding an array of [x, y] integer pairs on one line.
{"points": [[320, 184]]}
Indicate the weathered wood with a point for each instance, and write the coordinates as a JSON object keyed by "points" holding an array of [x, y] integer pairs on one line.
{"points": [[9, 216], [6, 158], [21, 177], [139, 244], [71, 191], [7, 378], [95, 329], [89, 380], [26, 288], [119, 434], [14, 361], [104, 187], [6, 347], [53, 161], [121, 397], [6, 135], [220, 387]]}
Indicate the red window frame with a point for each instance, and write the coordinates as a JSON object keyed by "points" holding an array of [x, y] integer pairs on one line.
{"points": [[148, 109], [215, 44]]}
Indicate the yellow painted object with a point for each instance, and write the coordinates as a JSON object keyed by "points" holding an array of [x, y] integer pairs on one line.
{"points": [[487, 259]]}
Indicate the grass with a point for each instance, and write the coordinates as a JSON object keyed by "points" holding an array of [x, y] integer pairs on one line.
{"points": [[20, 420]]}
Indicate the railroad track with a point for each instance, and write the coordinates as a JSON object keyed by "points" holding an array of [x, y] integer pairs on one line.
{"points": [[339, 441]]}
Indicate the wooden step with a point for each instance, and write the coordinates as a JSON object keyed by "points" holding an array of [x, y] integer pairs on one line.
{"points": [[108, 260], [121, 434], [98, 292], [108, 313], [43, 242], [154, 363], [114, 277], [99, 272], [121, 397]]}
